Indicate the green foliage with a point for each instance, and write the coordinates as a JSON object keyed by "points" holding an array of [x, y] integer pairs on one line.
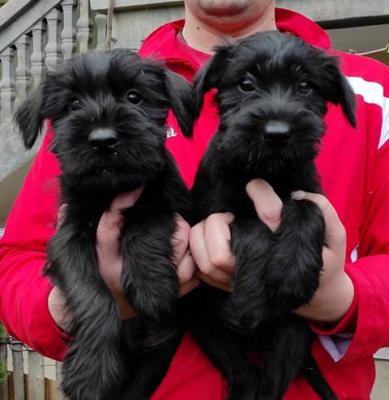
{"points": [[3, 333], [3, 366], [3, 372]]}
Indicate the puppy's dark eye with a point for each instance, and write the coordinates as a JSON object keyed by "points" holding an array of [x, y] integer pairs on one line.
{"points": [[304, 88], [134, 97], [75, 104], [246, 86]]}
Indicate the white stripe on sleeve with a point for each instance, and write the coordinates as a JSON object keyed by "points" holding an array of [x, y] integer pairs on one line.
{"points": [[373, 93]]}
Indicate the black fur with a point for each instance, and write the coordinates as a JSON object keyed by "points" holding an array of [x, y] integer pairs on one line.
{"points": [[108, 111], [272, 90]]}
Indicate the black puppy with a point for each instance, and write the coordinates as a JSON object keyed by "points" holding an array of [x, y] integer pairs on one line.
{"points": [[272, 90], [108, 111]]}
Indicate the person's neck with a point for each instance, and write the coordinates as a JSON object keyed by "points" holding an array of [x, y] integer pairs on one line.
{"points": [[204, 37]]}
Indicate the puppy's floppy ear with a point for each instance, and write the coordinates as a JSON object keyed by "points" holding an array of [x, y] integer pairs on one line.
{"points": [[338, 90], [180, 95], [29, 116], [210, 75]]}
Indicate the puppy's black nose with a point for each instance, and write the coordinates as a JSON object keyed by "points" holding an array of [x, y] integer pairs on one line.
{"points": [[103, 138], [277, 132]]}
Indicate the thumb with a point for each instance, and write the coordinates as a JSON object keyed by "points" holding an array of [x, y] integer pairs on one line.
{"points": [[334, 230], [111, 221]]}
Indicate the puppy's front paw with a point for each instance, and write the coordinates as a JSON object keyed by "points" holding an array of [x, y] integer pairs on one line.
{"points": [[152, 287], [293, 273], [250, 244]]}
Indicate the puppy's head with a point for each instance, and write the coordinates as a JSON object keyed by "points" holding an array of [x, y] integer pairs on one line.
{"points": [[272, 90], [108, 111]]}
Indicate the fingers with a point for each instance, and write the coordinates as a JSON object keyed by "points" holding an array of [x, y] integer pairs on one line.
{"points": [[269, 206], [217, 283], [58, 310], [108, 230], [183, 258], [210, 239], [189, 286], [217, 238], [180, 239], [108, 243], [209, 244], [126, 200], [335, 231], [186, 268], [61, 215], [266, 202], [200, 254]]}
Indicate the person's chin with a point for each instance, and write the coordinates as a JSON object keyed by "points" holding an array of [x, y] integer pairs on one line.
{"points": [[225, 10]]}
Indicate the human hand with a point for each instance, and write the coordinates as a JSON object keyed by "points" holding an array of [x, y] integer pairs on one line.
{"points": [[209, 243], [209, 240], [110, 260], [336, 291]]}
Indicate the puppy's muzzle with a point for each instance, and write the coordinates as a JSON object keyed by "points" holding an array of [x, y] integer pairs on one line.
{"points": [[276, 133], [103, 139]]}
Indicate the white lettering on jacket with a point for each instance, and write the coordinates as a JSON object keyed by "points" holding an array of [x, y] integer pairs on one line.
{"points": [[170, 132]]}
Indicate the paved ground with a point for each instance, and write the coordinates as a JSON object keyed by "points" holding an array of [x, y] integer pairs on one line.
{"points": [[381, 387]]}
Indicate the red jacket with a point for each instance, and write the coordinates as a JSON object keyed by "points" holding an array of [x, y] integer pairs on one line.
{"points": [[354, 168]]}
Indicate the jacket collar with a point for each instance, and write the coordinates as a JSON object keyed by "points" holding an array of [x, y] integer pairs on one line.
{"points": [[164, 44]]}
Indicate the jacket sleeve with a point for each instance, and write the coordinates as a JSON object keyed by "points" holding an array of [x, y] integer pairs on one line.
{"points": [[23, 288], [370, 269], [370, 272]]}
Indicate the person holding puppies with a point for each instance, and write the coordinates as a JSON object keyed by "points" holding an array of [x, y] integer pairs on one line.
{"points": [[349, 312]]}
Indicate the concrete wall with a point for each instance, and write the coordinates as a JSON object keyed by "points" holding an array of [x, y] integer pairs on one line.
{"points": [[130, 27], [9, 189], [134, 19], [319, 10]]}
